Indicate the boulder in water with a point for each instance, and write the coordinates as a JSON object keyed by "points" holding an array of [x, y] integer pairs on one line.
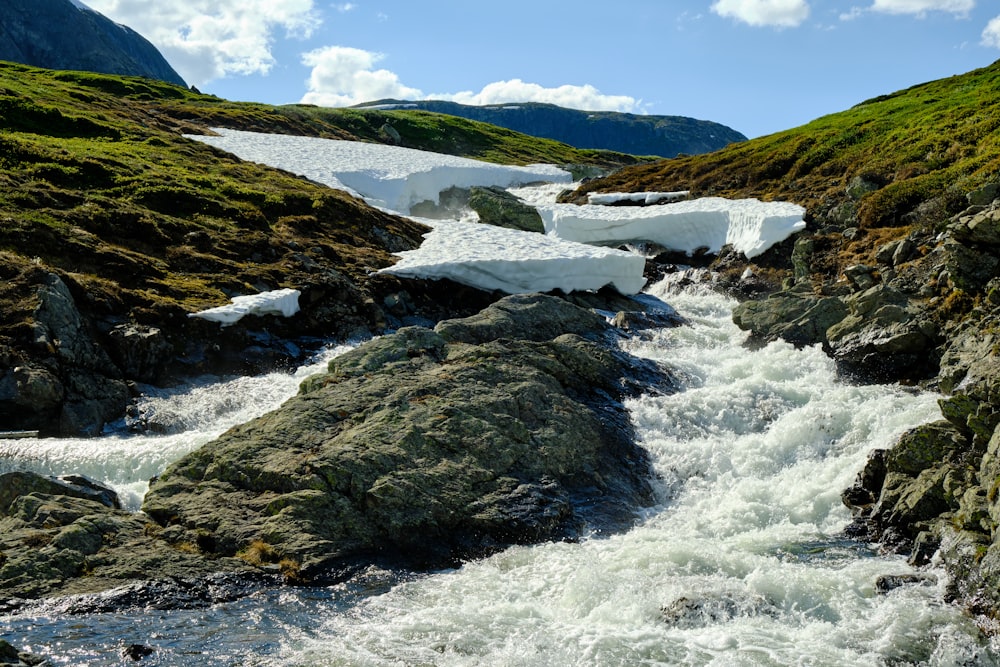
{"points": [[426, 446]]}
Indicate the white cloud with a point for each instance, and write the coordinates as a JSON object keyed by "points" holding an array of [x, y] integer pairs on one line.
{"points": [[991, 33], [345, 7], [851, 14], [573, 97], [342, 76], [209, 39], [777, 13], [921, 7]]}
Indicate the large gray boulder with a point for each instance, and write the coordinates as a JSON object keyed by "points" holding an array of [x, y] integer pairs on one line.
{"points": [[426, 446]]}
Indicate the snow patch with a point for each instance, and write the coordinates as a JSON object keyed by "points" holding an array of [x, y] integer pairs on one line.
{"points": [[751, 226], [495, 258], [644, 198], [284, 302], [389, 177]]}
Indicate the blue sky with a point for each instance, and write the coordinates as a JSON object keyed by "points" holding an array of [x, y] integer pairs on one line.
{"points": [[758, 66]]}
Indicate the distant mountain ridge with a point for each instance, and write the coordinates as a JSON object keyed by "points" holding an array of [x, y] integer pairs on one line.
{"points": [[67, 35], [636, 134]]}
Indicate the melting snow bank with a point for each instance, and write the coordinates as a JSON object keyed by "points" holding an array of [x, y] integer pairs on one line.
{"points": [[495, 258], [283, 302], [751, 226], [389, 177]]}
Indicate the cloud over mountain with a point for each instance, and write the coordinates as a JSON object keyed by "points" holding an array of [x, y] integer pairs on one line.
{"points": [[209, 39], [344, 76]]}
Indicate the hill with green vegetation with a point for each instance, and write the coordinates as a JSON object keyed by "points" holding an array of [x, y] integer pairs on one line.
{"points": [[894, 161], [101, 197], [637, 134]]}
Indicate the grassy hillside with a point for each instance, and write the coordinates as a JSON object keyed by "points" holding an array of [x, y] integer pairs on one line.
{"points": [[96, 182], [918, 147], [102, 196]]}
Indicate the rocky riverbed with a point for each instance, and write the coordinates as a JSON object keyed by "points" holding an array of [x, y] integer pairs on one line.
{"points": [[417, 449], [926, 313]]}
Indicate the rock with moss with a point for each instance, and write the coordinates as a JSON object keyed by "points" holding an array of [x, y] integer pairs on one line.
{"points": [[496, 206], [60, 538], [427, 446]]}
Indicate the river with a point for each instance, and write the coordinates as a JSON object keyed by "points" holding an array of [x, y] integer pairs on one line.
{"points": [[740, 562]]}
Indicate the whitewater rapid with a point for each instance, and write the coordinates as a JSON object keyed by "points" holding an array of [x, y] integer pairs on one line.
{"points": [[741, 561]]}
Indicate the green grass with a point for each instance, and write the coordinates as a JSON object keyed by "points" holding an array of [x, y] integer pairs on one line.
{"points": [[98, 184], [934, 141]]}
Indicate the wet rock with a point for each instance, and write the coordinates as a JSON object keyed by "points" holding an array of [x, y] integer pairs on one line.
{"points": [[136, 652], [12, 657], [16, 484], [884, 337], [890, 582], [142, 352], [634, 321], [868, 485], [924, 475], [697, 612], [64, 538], [925, 545], [798, 318], [429, 445]]}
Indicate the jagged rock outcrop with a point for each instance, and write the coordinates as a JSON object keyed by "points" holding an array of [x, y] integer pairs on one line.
{"points": [[59, 34], [636, 134]]}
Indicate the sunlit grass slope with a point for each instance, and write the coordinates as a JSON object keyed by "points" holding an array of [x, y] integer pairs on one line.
{"points": [[929, 143]]}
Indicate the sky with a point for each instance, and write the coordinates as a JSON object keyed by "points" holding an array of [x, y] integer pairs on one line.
{"points": [[758, 66]]}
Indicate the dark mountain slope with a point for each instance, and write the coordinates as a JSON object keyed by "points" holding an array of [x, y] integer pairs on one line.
{"points": [[57, 34], [665, 136]]}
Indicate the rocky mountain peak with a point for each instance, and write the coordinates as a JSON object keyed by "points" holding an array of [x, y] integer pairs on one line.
{"points": [[66, 34]]}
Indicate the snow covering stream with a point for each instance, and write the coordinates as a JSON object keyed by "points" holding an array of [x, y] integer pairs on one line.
{"points": [[740, 562]]}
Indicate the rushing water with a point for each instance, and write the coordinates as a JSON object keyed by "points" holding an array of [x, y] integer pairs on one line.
{"points": [[741, 561], [189, 415]]}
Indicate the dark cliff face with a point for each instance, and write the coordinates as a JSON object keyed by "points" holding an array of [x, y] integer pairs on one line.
{"points": [[57, 34], [665, 136]]}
